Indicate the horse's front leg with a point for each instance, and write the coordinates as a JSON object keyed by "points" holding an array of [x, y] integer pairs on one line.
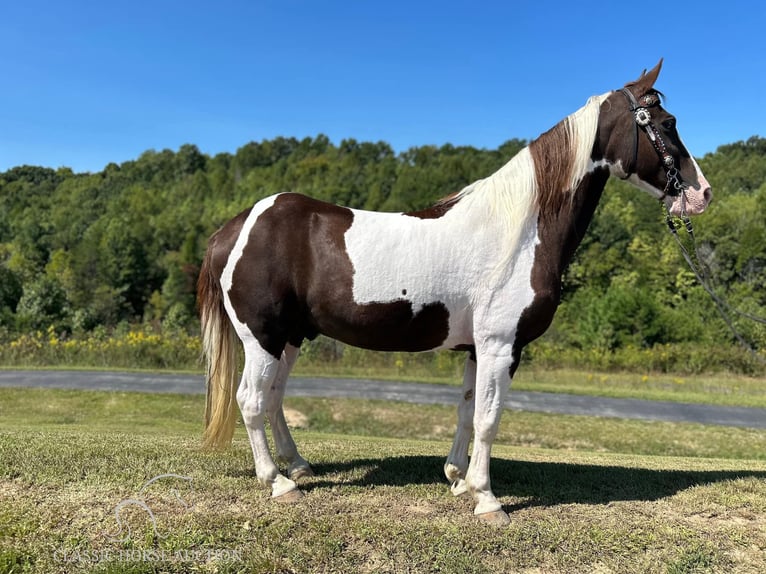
{"points": [[457, 461], [492, 382]]}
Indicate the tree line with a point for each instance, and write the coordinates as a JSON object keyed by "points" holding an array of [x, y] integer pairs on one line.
{"points": [[124, 245]]}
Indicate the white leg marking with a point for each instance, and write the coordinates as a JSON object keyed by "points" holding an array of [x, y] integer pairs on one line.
{"points": [[253, 396], [457, 461], [492, 382], [283, 440]]}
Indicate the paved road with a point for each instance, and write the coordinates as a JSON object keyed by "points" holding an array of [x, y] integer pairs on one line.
{"points": [[395, 391]]}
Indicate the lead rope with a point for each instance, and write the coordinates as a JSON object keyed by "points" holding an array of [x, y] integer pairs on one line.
{"points": [[724, 309]]}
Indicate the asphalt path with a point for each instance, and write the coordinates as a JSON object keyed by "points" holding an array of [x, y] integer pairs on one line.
{"points": [[397, 391]]}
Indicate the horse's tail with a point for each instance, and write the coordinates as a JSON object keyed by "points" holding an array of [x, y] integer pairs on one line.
{"points": [[219, 345]]}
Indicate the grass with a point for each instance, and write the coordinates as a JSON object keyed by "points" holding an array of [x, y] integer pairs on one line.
{"points": [[716, 389], [378, 505], [585, 494], [104, 413], [713, 389]]}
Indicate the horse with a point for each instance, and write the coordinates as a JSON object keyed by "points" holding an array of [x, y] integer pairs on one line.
{"points": [[479, 271]]}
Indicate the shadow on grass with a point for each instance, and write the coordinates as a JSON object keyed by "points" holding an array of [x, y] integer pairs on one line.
{"points": [[538, 483]]}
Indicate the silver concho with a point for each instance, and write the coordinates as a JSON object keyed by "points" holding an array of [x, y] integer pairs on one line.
{"points": [[649, 100], [643, 117]]}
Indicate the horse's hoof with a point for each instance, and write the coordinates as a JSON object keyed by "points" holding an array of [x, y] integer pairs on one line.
{"points": [[459, 487], [453, 473], [498, 518], [301, 472], [289, 497], [284, 489]]}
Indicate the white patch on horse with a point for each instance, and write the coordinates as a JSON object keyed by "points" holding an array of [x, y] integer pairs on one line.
{"points": [[702, 181], [504, 201], [699, 194], [501, 310], [399, 257], [616, 169]]}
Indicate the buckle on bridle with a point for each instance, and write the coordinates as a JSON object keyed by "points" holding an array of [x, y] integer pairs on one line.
{"points": [[643, 117]]}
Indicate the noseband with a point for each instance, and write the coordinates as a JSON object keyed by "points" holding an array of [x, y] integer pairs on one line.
{"points": [[675, 185]]}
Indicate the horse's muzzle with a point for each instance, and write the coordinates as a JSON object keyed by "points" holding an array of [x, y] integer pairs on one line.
{"points": [[692, 201]]}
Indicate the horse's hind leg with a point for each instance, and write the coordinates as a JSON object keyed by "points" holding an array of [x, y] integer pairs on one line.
{"points": [[457, 461], [283, 440], [253, 395]]}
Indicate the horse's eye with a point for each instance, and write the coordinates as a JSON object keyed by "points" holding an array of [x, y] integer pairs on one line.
{"points": [[669, 124]]}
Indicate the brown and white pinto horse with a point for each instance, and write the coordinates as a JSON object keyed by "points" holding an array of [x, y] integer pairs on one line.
{"points": [[479, 271]]}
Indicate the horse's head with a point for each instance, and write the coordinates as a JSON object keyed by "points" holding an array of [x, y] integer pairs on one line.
{"points": [[640, 143]]}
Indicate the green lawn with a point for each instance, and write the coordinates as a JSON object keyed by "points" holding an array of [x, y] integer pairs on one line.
{"points": [[717, 389], [584, 494], [713, 389]]}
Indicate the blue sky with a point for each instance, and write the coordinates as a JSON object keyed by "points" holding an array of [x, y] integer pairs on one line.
{"points": [[88, 83]]}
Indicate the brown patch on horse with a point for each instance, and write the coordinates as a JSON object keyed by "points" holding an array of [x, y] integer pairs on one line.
{"points": [[295, 281], [470, 348], [554, 161], [559, 234]]}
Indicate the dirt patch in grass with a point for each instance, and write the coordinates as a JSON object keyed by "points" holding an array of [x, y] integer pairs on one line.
{"points": [[296, 419]]}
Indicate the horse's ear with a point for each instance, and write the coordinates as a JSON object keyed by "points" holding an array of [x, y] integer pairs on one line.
{"points": [[646, 81]]}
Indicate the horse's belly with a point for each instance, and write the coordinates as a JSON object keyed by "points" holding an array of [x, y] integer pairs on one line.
{"points": [[396, 326]]}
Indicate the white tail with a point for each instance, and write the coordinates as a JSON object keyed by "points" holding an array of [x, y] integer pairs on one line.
{"points": [[219, 343]]}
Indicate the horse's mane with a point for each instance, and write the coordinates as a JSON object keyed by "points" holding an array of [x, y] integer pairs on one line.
{"points": [[562, 156], [541, 178]]}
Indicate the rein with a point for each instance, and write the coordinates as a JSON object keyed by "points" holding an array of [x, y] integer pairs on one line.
{"points": [[724, 309]]}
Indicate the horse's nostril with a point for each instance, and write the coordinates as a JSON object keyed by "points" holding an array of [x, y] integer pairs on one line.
{"points": [[708, 195]]}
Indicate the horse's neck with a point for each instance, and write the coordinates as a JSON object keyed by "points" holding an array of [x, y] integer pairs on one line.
{"points": [[562, 232], [494, 242]]}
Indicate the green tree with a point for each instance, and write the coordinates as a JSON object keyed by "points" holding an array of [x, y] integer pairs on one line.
{"points": [[43, 304]]}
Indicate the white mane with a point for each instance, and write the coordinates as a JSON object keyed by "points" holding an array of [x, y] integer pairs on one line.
{"points": [[581, 127], [511, 196]]}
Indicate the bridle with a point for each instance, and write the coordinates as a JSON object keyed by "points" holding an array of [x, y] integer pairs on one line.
{"points": [[643, 119]]}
